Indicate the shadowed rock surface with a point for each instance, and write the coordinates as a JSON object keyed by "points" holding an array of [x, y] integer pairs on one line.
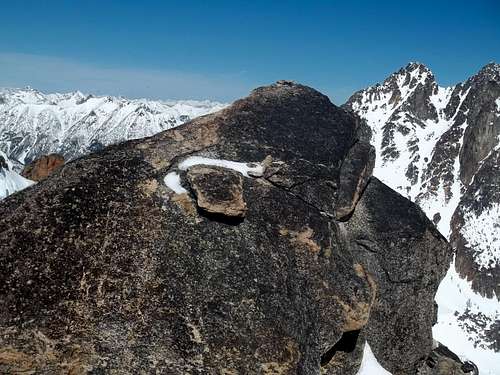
{"points": [[442, 361], [105, 269], [396, 243], [354, 175]]}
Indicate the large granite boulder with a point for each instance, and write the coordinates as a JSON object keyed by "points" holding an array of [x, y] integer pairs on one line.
{"points": [[215, 248]]}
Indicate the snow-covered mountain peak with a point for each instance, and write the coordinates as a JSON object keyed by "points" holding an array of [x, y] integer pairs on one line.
{"points": [[407, 115], [416, 71], [440, 146], [400, 91], [409, 77]]}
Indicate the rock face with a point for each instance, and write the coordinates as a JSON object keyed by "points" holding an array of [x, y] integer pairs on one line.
{"points": [[354, 175], [396, 243], [3, 163], [443, 361], [42, 167], [476, 229], [106, 268]]}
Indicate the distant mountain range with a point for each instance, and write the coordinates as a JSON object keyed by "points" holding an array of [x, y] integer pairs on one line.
{"points": [[440, 147], [73, 124]]}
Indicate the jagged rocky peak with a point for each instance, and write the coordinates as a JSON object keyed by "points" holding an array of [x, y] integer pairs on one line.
{"points": [[405, 87], [483, 119], [251, 240], [412, 75], [448, 164], [405, 114], [489, 72]]}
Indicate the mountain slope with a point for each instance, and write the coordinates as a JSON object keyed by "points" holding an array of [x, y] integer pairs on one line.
{"points": [[439, 146], [33, 124], [10, 180]]}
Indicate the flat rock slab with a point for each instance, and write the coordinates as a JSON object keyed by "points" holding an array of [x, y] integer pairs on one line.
{"points": [[218, 190]]}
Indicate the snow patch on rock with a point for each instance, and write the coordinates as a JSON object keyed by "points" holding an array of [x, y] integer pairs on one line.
{"points": [[246, 169], [173, 181], [370, 365]]}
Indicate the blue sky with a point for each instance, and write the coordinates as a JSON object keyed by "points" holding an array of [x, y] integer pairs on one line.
{"points": [[222, 49]]}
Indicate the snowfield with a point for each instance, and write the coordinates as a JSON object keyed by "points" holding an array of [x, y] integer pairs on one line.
{"points": [[455, 297]]}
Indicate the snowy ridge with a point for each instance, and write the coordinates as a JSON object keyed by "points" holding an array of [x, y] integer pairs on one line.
{"points": [[10, 181], [33, 124]]}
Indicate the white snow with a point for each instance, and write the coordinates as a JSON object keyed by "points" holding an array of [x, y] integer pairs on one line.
{"points": [[454, 296], [497, 102], [440, 203], [370, 365], [49, 123], [246, 169], [173, 181], [482, 234], [10, 181]]}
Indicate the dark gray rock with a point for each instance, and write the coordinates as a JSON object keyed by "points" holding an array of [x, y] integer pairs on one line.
{"points": [[394, 241], [482, 134], [3, 163], [442, 361], [354, 175], [106, 270]]}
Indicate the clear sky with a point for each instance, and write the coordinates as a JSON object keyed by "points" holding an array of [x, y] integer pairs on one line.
{"points": [[222, 49]]}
